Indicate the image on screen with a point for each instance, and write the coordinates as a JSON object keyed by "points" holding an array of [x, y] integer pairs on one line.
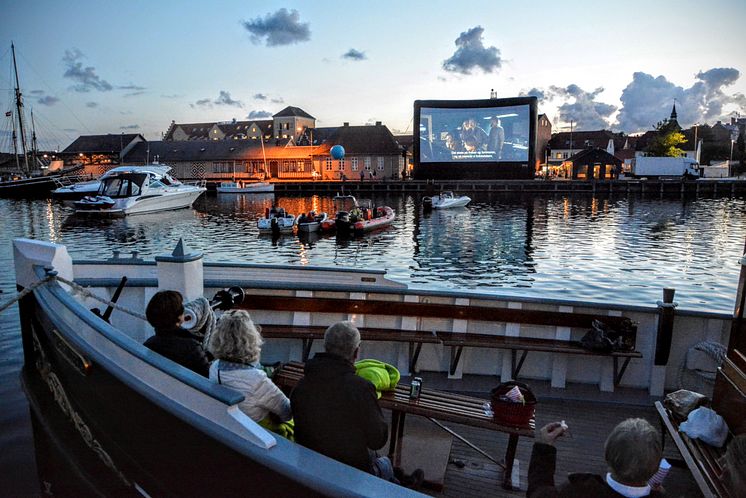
{"points": [[485, 134]]}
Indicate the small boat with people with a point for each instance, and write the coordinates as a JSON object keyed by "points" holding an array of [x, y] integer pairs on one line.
{"points": [[245, 187], [311, 222], [138, 190], [276, 220], [355, 217], [445, 200]]}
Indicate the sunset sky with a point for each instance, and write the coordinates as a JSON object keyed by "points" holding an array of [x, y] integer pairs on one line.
{"points": [[122, 67]]}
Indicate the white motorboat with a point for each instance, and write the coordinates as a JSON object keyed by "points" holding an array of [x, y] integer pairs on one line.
{"points": [[311, 222], [276, 220], [89, 188], [446, 200], [244, 187], [138, 190]]}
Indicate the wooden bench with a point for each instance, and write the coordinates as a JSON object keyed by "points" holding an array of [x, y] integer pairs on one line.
{"points": [[456, 340], [729, 401], [432, 404]]}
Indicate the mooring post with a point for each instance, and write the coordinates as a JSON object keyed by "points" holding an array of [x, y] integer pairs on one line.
{"points": [[664, 335]]}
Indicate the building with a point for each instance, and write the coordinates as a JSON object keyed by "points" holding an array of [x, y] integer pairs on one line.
{"points": [[593, 164], [563, 146], [543, 136], [97, 152]]}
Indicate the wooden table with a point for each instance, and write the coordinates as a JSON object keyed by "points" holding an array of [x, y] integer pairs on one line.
{"points": [[433, 404]]}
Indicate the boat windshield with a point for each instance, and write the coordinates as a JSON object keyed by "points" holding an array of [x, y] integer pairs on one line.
{"points": [[345, 203], [123, 185]]}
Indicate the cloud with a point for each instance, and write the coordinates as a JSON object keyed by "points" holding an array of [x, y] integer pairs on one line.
{"points": [[540, 94], [281, 28], [581, 107], [85, 77], [172, 96], [259, 115], [648, 99], [224, 98], [36, 92], [133, 94], [278, 100], [131, 87], [48, 100], [471, 54], [91, 105], [354, 55], [260, 96], [130, 127]]}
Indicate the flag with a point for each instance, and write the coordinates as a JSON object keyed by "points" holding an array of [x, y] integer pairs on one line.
{"points": [[515, 395], [8, 114]]}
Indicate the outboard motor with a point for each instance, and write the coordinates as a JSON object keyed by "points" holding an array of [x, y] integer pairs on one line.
{"points": [[427, 203]]}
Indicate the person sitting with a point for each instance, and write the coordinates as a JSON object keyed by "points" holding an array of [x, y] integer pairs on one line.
{"points": [[236, 345], [165, 312], [336, 412], [632, 452]]}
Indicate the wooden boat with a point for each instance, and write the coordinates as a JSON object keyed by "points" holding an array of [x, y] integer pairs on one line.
{"points": [[143, 415], [311, 222], [244, 187], [276, 220]]}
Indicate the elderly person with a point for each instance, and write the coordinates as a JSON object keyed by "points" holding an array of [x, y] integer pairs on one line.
{"points": [[165, 312], [236, 344], [632, 452], [336, 412]]}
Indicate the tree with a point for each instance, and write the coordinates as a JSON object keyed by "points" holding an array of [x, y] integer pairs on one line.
{"points": [[667, 141]]}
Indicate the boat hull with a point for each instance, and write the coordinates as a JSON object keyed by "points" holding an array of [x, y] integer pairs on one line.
{"points": [[251, 188], [313, 226], [148, 203]]}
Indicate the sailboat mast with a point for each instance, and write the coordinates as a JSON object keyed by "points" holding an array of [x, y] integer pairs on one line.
{"points": [[19, 107], [34, 150], [15, 144]]}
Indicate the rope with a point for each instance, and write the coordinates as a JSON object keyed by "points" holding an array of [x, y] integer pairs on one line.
{"points": [[78, 288], [26, 292], [713, 349]]}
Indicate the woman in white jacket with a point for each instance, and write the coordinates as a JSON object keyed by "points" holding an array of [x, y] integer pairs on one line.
{"points": [[236, 345]]}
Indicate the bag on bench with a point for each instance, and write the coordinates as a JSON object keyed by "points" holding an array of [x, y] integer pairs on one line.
{"points": [[604, 339], [512, 413]]}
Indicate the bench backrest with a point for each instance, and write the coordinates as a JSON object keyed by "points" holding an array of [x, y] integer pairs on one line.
{"points": [[729, 395], [431, 310]]}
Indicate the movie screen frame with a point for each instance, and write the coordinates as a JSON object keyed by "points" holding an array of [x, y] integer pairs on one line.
{"points": [[471, 157]]}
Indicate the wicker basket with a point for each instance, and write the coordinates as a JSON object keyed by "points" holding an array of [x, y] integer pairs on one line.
{"points": [[509, 413]]}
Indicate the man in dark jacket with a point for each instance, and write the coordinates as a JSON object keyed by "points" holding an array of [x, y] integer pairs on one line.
{"points": [[165, 312], [632, 452], [336, 412]]}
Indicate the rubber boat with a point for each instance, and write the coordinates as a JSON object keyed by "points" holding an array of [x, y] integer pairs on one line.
{"points": [[244, 187], [276, 220], [311, 222], [138, 190], [356, 218], [446, 200]]}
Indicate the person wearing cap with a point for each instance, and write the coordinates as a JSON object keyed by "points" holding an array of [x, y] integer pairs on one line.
{"points": [[165, 312]]}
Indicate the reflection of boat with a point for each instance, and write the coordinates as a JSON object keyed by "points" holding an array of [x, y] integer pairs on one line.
{"points": [[276, 220], [311, 222], [137, 190], [446, 200], [243, 187], [355, 217], [79, 190]]}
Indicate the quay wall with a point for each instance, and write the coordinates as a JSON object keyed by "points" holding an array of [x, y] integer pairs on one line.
{"points": [[716, 187]]}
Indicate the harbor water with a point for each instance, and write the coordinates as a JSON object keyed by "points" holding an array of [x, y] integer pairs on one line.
{"points": [[609, 249]]}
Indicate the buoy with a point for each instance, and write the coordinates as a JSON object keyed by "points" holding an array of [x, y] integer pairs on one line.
{"points": [[337, 152]]}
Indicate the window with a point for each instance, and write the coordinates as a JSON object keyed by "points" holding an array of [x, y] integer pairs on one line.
{"points": [[329, 162], [380, 163], [401, 163], [342, 164], [354, 163], [307, 165], [367, 164], [222, 167], [558, 155]]}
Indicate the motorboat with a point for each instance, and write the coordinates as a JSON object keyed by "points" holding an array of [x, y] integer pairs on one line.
{"points": [[311, 222], [445, 200], [276, 220], [356, 218], [138, 190], [244, 187], [67, 191]]}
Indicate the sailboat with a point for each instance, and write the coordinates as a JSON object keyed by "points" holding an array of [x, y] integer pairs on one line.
{"points": [[246, 187], [29, 180]]}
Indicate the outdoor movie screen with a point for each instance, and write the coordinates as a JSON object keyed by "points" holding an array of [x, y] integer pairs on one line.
{"points": [[469, 134]]}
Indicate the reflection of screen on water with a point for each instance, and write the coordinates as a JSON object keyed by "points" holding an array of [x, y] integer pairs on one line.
{"points": [[485, 134]]}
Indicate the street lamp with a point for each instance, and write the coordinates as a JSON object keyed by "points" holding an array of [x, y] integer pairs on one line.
{"points": [[731, 149]]}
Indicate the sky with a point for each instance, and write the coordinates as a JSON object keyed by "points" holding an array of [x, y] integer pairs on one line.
{"points": [[94, 67]]}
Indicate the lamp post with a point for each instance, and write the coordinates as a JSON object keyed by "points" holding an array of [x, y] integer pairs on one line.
{"points": [[731, 149]]}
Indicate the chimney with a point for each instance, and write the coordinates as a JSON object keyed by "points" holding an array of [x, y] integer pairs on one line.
{"points": [[378, 123], [345, 124]]}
